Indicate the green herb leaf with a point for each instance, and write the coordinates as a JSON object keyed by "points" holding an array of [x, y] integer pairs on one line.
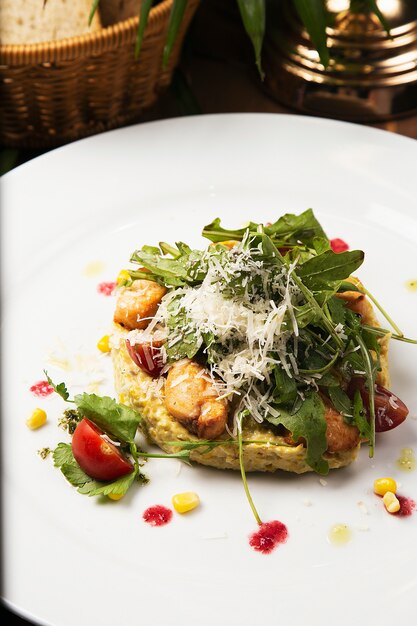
{"points": [[117, 487], [293, 229], [63, 454], [60, 389], [64, 459], [242, 467], [318, 271], [308, 423], [359, 416], [117, 420], [340, 400], [285, 387]]}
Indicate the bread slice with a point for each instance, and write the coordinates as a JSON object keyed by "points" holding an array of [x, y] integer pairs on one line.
{"points": [[28, 21]]}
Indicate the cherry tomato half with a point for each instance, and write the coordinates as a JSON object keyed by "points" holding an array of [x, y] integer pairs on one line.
{"points": [[98, 457], [390, 411], [147, 356]]}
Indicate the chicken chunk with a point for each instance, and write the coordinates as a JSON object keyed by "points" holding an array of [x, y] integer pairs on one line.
{"points": [[340, 435], [191, 398], [138, 303], [358, 302]]}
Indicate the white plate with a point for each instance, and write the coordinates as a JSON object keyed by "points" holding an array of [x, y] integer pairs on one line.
{"points": [[72, 560]]}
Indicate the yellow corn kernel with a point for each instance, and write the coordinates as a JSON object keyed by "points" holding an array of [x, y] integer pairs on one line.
{"points": [[122, 398], [37, 419], [382, 485], [123, 278], [391, 502], [184, 502], [103, 344], [115, 496]]}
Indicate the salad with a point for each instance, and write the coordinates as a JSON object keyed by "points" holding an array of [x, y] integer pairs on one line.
{"points": [[261, 351]]}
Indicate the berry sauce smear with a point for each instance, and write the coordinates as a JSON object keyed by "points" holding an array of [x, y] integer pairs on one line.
{"points": [[42, 389], [157, 515], [407, 506], [268, 536]]}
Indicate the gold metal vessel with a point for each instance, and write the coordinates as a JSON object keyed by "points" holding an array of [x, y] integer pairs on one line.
{"points": [[372, 75]]}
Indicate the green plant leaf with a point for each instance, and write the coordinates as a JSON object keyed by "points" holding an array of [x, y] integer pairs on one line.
{"points": [[340, 400], [64, 459], [145, 9], [253, 17], [93, 10], [117, 420], [318, 271], [175, 19], [60, 389], [307, 422], [313, 15]]}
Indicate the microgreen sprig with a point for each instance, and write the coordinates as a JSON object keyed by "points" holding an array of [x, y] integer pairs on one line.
{"points": [[242, 467]]}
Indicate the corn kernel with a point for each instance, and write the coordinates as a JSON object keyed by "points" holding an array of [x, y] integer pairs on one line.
{"points": [[382, 485], [122, 398], [115, 496], [103, 344], [37, 419], [123, 278], [391, 502], [184, 502]]}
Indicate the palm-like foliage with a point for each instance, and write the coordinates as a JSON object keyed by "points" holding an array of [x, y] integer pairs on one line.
{"points": [[313, 14]]}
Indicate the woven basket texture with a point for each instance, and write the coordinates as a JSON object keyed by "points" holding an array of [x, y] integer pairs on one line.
{"points": [[55, 92]]}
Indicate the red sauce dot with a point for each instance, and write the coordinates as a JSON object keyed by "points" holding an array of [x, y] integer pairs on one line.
{"points": [[338, 245], [407, 506], [268, 536], [42, 389], [157, 515], [106, 289]]}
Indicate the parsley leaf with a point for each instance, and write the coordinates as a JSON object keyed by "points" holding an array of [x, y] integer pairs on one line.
{"points": [[117, 420], [60, 389], [64, 459]]}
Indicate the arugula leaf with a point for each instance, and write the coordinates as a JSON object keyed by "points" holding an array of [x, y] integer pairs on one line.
{"points": [[285, 387], [173, 272], [307, 423], [60, 389], [340, 400], [117, 420], [216, 233], [318, 271], [297, 228], [188, 344], [288, 230], [359, 416]]}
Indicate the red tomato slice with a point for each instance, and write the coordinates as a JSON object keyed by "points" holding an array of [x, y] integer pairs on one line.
{"points": [[147, 356], [390, 411], [98, 457]]}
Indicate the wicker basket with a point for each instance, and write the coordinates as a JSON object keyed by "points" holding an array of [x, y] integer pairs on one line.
{"points": [[56, 92]]}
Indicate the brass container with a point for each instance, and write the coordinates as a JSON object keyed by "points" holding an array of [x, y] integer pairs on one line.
{"points": [[371, 77]]}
